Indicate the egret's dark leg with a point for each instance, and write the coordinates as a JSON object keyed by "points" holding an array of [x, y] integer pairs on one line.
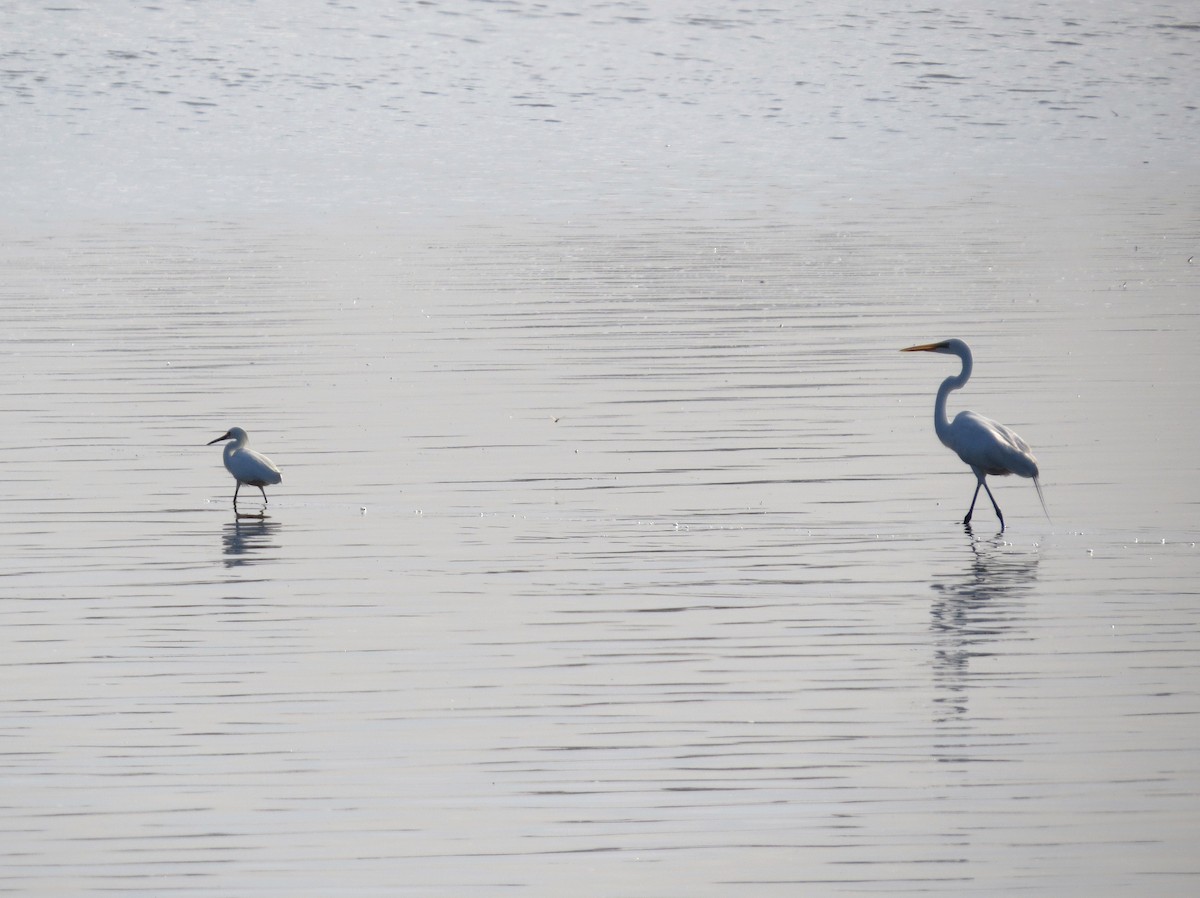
{"points": [[994, 505], [235, 492], [971, 510]]}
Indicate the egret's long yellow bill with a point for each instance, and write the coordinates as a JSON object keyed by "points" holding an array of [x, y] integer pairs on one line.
{"points": [[926, 347]]}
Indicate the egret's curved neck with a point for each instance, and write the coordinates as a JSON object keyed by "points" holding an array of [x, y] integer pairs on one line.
{"points": [[941, 421]]}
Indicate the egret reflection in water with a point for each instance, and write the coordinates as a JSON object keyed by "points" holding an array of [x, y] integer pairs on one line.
{"points": [[249, 539], [977, 611]]}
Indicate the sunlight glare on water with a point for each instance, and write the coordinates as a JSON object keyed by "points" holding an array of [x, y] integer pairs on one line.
{"points": [[615, 552], [600, 547]]}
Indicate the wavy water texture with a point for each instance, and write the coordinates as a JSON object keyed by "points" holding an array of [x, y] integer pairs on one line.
{"points": [[615, 553], [496, 109], [629, 552]]}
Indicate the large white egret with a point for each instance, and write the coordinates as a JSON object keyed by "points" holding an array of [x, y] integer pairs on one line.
{"points": [[987, 446], [246, 465]]}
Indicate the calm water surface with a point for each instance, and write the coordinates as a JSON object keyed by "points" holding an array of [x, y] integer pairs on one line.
{"points": [[615, 553], [510, 108], [631, 557]]}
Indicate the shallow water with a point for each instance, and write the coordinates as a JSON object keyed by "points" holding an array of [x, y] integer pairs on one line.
{"points": [[615, 553], [496, 110], [631, 557]]}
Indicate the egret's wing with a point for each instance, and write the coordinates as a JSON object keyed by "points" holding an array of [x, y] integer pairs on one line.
{"points": [[991, 447], [249, 466]]}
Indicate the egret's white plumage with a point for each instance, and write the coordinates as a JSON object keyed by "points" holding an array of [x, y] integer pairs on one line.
{"points": [[246, 465], [985, 445]]}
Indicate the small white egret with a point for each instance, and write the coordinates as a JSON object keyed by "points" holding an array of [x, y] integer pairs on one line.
{"points": [[985, 445], [246, 465]]}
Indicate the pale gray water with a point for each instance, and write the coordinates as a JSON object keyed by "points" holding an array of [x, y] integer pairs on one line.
{"points": [[501, 108], [615, 553]]}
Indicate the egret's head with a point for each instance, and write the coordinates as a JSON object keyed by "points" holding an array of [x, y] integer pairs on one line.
{"points": [[233, 433], [946, 347]]}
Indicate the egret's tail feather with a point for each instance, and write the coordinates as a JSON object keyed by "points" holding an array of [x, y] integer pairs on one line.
{"points": [[1042, 499]]}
